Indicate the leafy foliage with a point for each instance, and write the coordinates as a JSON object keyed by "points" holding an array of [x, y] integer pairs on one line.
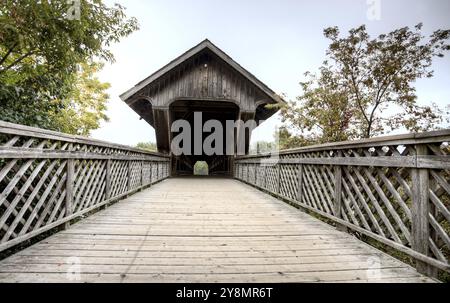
{"points": [[85, 105], [262, 147], [201, 168], [149, 146], [41, 50], [283, 139], [287, 139], [363, 80]]}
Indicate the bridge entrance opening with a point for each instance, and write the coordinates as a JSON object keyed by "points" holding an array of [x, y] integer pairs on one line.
{"points": [[201, 168], [219, 163]]}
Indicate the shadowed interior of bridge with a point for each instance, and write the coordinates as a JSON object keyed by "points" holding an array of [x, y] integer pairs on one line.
{"points": [[203, 230]]}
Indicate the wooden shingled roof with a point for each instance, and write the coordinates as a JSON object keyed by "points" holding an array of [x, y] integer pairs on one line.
{"points": [[205, 44]]}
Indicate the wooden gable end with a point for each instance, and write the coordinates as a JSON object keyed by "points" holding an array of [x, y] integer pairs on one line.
{"points": [[204, 77]]}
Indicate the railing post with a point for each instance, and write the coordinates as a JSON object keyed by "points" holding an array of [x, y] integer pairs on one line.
{"points": [[232, 166], [142, 173], [247, 176], [278, 178], [70, 172], [265, 176], [338, 194], [129, 175], [337, 191], [157, 171], [151, 172], [299, 182], [108, 180], [420, 228]]}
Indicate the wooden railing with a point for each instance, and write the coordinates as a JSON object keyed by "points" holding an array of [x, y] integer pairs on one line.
{"points": [[48, 179], [394, 189]]}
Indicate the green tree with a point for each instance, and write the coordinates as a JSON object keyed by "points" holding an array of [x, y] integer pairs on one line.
{"points": [[84, 108], [148, 146], [201, 168], [286, 139], [261, 147], [362, 80], [41, 49], [322, 114]]}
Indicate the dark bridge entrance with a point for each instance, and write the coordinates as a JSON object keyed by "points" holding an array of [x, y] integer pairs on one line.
{"points": [[203, 80], [218, 163]]}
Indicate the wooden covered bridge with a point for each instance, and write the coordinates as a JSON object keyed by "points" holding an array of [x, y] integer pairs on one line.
{"points": [[126, 215]]}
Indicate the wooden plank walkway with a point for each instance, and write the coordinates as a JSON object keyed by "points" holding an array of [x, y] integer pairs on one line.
{"points": [[203, 230]]}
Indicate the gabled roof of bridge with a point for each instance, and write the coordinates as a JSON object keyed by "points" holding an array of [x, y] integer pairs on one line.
{"points": [[205, 44]]}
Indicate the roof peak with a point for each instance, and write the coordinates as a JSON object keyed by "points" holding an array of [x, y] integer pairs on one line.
{"points": [[206, 43]]}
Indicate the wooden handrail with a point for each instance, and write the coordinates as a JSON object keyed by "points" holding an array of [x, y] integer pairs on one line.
{"points": [[48, 178], [27, 131], [392, 189], [404, 139]]}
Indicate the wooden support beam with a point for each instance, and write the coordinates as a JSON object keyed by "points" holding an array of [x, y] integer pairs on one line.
{"points": [[129, 176], [420, 226], [157, 171], [108, 180], [265, 176], [337, 198], [278, 178], [151, 173], [299, 182], [248, 173], [70, 171], [141, 163]]}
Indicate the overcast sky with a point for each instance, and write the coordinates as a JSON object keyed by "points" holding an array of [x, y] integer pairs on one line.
{"points": [[277, 41]]}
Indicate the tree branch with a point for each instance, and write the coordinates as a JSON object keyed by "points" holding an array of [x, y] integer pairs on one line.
{"points": [[7, 54], [18, 60], [358, 97]]}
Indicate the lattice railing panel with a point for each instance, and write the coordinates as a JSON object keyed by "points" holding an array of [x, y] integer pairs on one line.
{"points": [[245, 172], [119, 177], [439, 205], [135, 174], [260, 176], [289, 180], [166, 170], [48, 178], [146, 173], [317, 188], [154, 172], [378, 201], [251, 178], [89, 184], [394, 189], [26, 186], [272, 178], [161, 171]]}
